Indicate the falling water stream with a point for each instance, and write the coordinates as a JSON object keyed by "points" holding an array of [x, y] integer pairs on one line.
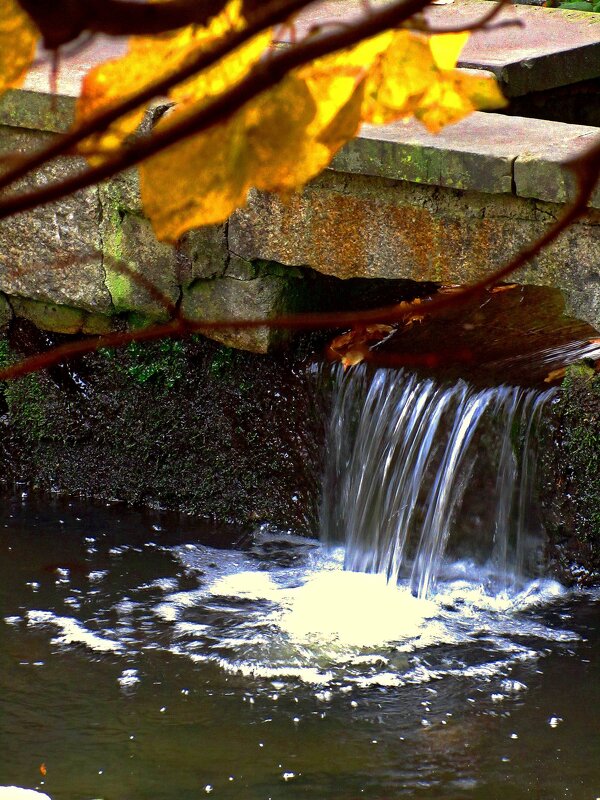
{"points": [[419, 651]]}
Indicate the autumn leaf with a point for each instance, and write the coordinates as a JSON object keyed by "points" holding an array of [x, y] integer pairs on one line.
{"points": [[354, 346], [18, 39], [506, 287], [151, 58], [276, 142], [555, 375], [43, 770]]}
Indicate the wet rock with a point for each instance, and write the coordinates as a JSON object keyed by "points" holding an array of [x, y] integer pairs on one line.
{"points": [[247, 291], [571, 478]]}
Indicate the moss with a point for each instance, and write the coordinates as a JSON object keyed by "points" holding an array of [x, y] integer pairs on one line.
{"points": [[162, 362], [24, 399], [232, 439], [581, 432], [221, 362], [571, 476]]}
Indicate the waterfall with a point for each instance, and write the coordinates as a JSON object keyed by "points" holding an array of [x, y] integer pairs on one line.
{"points": [[424, 477]]}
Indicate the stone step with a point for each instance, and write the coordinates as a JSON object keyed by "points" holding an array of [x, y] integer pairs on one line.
{"points": [[484, 152], [550, 47]]}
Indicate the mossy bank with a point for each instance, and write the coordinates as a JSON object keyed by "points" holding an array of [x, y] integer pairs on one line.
{"points": [[571, 477], [187, 425]]}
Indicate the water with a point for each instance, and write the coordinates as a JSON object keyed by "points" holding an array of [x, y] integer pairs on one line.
{"points": [[146, 656], [405, 451]]}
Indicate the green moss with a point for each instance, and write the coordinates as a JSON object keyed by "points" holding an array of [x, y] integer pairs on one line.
{"points": [[221, 362], [25, 399], [162, 362], [581, 432]]}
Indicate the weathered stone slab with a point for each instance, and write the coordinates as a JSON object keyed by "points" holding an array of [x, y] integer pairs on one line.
{"points": [[358, 226], [541, 172], [229, 298], [54, 253], [36, 106], [551, 47], [130, 249], [484, 152], [60, 319], [203, 253]]}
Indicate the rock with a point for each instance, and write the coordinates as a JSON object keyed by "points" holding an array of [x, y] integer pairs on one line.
{"points": [[141, 272], [570, 485], [230, 298], [5, 312], [204, 253], [60, 319], [53, 253], [353, 226]]}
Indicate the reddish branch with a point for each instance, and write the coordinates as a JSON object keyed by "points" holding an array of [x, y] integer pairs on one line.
{"points": [[62, 21]]}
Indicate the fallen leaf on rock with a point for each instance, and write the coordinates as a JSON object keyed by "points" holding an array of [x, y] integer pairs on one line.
{"points": [[411, 316], [555, 375]]}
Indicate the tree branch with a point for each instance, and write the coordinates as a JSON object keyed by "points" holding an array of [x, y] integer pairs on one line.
{"points": [[62, 21]]}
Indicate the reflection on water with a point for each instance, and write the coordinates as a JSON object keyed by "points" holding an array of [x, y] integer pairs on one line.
{"points": [[143, 660]]}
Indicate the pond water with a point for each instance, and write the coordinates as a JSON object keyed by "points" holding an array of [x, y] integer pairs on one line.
{"points": [[145, 657]]}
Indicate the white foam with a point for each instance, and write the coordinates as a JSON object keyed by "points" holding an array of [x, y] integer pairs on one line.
{"points": [[73, 632]]}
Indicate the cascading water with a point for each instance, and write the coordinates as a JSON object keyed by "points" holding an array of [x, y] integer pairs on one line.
{"points": [[420, 471]]}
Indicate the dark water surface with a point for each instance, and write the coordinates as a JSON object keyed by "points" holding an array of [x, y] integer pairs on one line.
{"points": [[143, 658]]}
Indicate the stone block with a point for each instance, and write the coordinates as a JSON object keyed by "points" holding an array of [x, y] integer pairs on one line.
{"points": [[483, 152], [541, 172], [142, 274], [550, 47], [5, 312], [203, 253], [53, 253], [229, 298], [60, 319], [355, 226]]}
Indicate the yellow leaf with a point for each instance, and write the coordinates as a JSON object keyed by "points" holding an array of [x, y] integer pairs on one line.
{"points": [[152, 58], [198, 181], [455, 95], [287, 135], [276, 142], [446, 48], [398, 78], [555, 375], [18, 38]]}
